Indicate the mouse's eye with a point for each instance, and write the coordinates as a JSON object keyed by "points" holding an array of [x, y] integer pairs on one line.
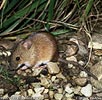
{"points": [[17, 58]]}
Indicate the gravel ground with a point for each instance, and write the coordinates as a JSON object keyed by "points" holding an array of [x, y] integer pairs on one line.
{"points": [[59, 80]]}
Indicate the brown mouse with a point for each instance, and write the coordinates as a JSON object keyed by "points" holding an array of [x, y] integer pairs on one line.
{"points": [[39, 48]]}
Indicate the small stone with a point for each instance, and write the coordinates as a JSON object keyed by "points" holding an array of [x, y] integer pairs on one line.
{"points": [[46, 91], [46, 96], [81, 81], [81, 63], [81, 45], [60, 76], [36, 71], [39, 90], [70, 99], [28, 71], [97, 71], [53, 78], [77, 90], [97, 41], [37, 84], [44, 81], [51, 94], [70, 65], [60, 90], [1, 92], [83, 74], [68, 89], [71, 49], [56, 81], [38, 96], [24, 93], [53, 68], [98, 52], [85, 98], [19, 72], [17, 93], [87, 90], [30, 92], [72, 58], [17, 97], [99, 94], [74, 39], [7, 53], [58, 96], [5, 96], [69, 95]]}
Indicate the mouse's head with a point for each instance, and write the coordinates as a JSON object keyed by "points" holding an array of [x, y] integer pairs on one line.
{"points": [[23, 56]]}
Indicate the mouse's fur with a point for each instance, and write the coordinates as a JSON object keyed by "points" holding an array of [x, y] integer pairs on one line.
{"points": [[36, 49]]}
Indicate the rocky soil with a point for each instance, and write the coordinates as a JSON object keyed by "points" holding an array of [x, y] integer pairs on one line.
{"points": [[76, 76]]}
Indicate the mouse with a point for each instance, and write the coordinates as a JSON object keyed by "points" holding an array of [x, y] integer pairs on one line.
{"points": [[37, 49]]}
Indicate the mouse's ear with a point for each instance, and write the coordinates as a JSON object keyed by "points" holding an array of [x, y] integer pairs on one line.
{"points": [[27, 44]]}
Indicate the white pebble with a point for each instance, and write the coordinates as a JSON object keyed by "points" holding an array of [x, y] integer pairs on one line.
{"points": [[72, 58], [69, 95], [81, 62], [83, 74], [58, 96], [60, 90], [7, 53], [51, 94], [70, 65], [68, 89], [46, 91], [85, 99], [87, 90], [17, 97], [30, 92], [39, 90], [36, 71], [77, 90], [53, 78], [5, 96], [38, 96], [1, 91], [17, 93]]}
